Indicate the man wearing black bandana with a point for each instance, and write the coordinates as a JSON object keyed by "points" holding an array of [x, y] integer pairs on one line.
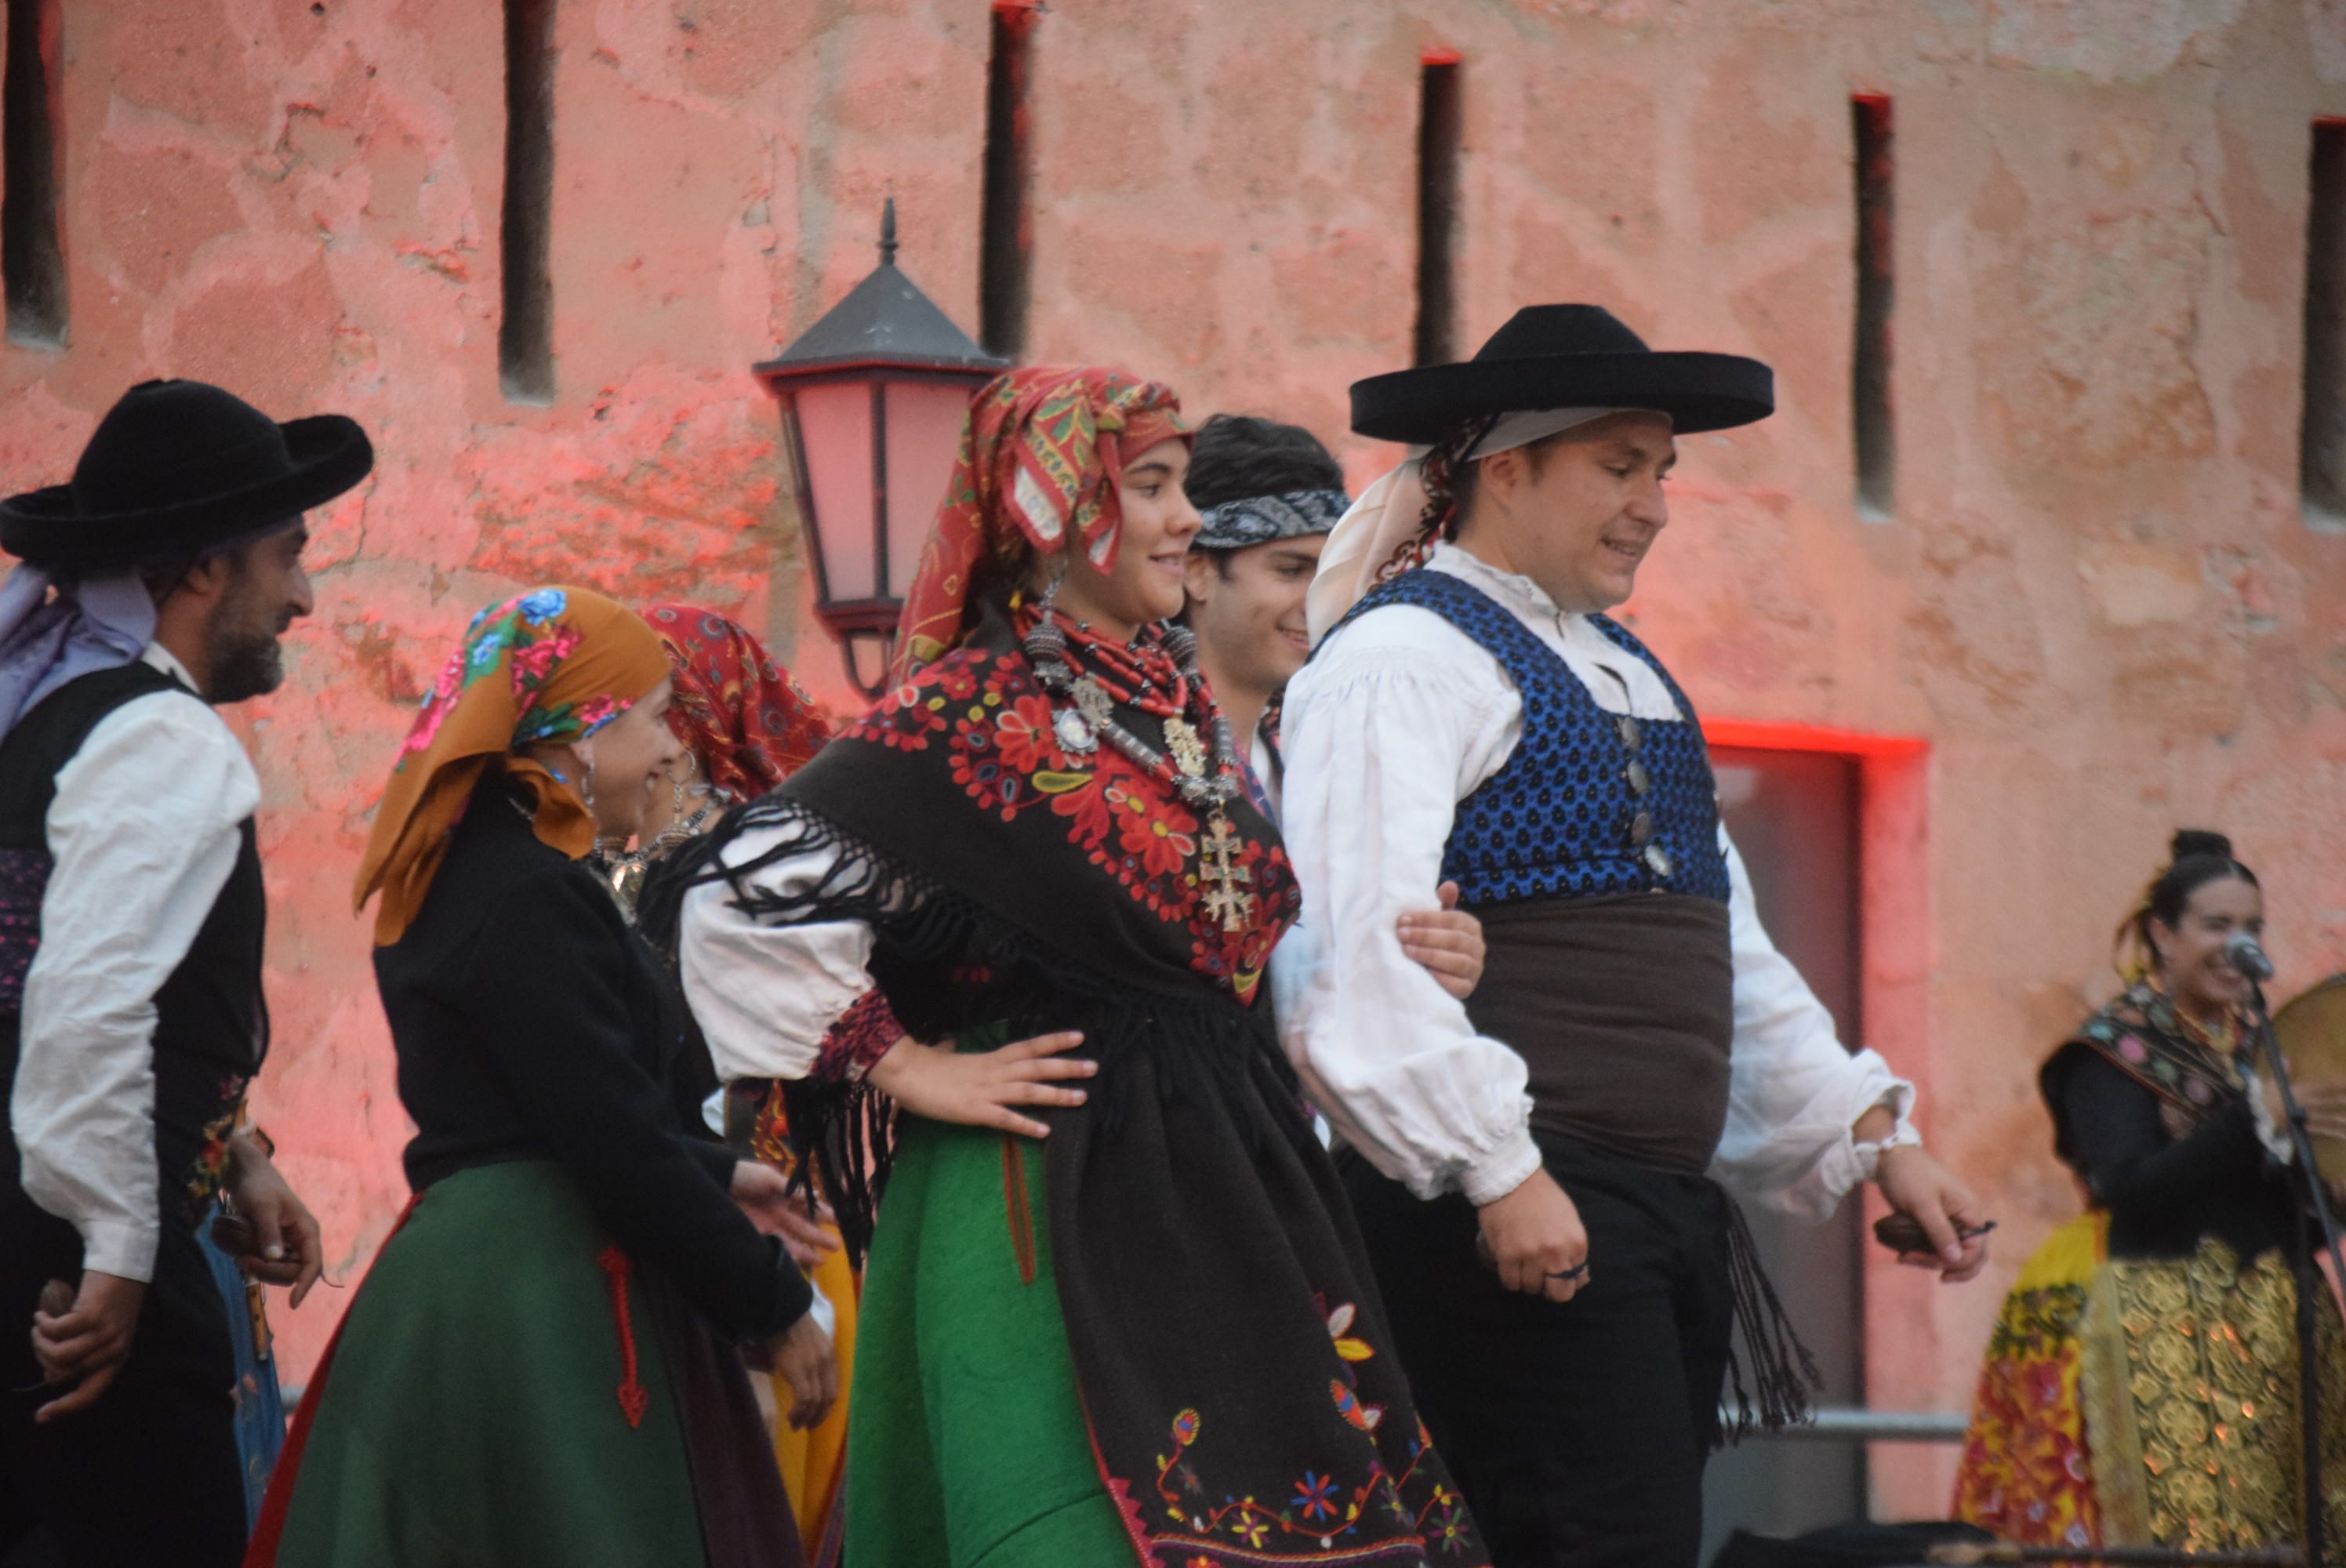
{"points": [[1268, 494]]}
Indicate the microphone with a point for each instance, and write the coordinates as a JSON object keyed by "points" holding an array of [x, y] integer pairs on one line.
{"points": [[2242, 953]]}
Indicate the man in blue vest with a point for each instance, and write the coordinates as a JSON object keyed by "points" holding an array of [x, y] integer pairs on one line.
{"points": [[154, 587], [1542, 1172]]}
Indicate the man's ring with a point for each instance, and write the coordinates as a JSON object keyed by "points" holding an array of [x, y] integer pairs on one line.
{"points": [[1579, 1272]]}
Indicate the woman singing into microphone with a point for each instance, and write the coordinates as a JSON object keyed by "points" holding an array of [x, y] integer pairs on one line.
{"points": [[2141, 1385]]}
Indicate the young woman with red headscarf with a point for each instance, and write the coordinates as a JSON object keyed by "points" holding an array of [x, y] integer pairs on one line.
{"points": [[1117, 1310], [746, 727]]}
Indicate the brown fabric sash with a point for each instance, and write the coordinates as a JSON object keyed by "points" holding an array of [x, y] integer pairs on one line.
{"points": [[1624, 1008]]}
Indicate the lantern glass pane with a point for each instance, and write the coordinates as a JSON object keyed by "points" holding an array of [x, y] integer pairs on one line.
{"points": [[925, 422], [835, 431]]}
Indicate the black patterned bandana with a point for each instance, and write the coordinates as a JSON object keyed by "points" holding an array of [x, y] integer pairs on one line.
{"points": [[1260, 519]]}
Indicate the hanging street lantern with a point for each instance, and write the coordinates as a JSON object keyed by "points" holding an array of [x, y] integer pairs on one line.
{"points": [[873, 396]]}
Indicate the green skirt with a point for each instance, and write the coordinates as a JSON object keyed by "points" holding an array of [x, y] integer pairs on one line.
{"points": [[966, 1447], [478, 1408]]}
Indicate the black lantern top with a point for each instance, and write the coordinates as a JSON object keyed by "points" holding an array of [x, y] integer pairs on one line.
{"points": [[885, 322]]}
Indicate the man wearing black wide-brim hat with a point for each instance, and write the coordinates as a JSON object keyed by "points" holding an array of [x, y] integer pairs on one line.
{"points": [[154, 586], [1542, 1173]]}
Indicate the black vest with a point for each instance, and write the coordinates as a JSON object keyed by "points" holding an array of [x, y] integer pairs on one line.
{"points": [[211, 1026]]}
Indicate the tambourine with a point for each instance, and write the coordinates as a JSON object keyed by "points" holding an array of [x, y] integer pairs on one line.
{"points": [[2312, 1031]]}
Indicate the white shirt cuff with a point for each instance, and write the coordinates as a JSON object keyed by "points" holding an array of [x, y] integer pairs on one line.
{"points": [[120, 1248], [1865, 1159], [1502, 1171], [2269, 1133]]}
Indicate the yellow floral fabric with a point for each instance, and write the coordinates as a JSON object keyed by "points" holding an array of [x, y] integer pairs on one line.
{"points": [[2026, 1473]]}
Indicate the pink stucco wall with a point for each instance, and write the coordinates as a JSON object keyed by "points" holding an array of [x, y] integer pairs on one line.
{"points": [[2096, 602]]}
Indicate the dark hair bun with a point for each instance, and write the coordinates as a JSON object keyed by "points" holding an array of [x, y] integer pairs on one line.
{"points": [[2191, 841]]}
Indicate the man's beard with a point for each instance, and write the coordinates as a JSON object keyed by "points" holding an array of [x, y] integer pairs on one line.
{"points": [[244, 661]]}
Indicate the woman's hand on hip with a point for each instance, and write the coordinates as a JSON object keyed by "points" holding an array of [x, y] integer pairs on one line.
{"points": [[981, 1088]]}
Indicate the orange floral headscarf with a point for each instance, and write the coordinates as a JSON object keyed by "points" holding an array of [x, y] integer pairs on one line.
{"points": [[1040, 458], [746, 721], [550, 666]]}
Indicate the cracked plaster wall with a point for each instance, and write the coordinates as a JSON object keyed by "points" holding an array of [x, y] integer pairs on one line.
{"points": [[2096, 601]]}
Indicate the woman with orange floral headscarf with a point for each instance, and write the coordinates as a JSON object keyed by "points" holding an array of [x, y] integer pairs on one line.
{"points": [[1115, 1309], [535, 1370]]}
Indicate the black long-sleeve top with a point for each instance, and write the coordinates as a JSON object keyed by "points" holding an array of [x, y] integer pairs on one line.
{"points": [[531, 1023], [2164, 1193]]}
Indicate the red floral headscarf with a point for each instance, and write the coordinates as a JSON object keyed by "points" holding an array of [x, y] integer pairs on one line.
{"points": [[744, 718], [1040, 458]]}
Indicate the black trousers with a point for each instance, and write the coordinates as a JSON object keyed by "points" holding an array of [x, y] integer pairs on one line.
{"points": [[1578, 1431], [148, 1477]]}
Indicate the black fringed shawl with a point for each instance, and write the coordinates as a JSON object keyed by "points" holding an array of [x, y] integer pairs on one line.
{"points": [[1232, 1355], [2160, 1126]]}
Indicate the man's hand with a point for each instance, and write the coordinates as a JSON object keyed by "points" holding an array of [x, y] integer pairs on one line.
{"points": [[978, 1088], [803, 1225], [84, 1337], [1448, 942], [278, 1242], [1536, 1240], [805, 1360], [1916, 1184]]}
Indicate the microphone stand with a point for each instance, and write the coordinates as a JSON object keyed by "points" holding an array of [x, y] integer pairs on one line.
{"points": [[2309, 1276]]}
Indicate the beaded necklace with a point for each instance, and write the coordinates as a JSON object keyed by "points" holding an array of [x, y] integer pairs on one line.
{"points": [[1086, 676], [2222, 1037]]}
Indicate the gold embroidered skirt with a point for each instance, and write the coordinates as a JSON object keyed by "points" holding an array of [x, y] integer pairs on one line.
{"points": [[2189, 1382]]}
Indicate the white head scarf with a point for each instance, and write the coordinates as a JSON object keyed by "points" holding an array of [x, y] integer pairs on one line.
{"points": [[1391, 510]]}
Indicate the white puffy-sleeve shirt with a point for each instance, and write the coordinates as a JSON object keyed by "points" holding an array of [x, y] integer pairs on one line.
{"points": [[143, 832], [1398, 717], [765, 995]]}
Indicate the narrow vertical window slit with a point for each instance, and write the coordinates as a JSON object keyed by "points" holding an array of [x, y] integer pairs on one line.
{"points": [[1007, 242], [525, 329], [32, 250], [2323, 441], [1439, 131], [1871, 423]]}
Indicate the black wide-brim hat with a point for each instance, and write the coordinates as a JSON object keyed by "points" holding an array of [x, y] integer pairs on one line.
{"points": [[1563, 356], [180, 467]]}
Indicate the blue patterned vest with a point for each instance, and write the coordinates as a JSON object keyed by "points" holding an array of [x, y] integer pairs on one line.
{"points": [[1556, 821]]}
